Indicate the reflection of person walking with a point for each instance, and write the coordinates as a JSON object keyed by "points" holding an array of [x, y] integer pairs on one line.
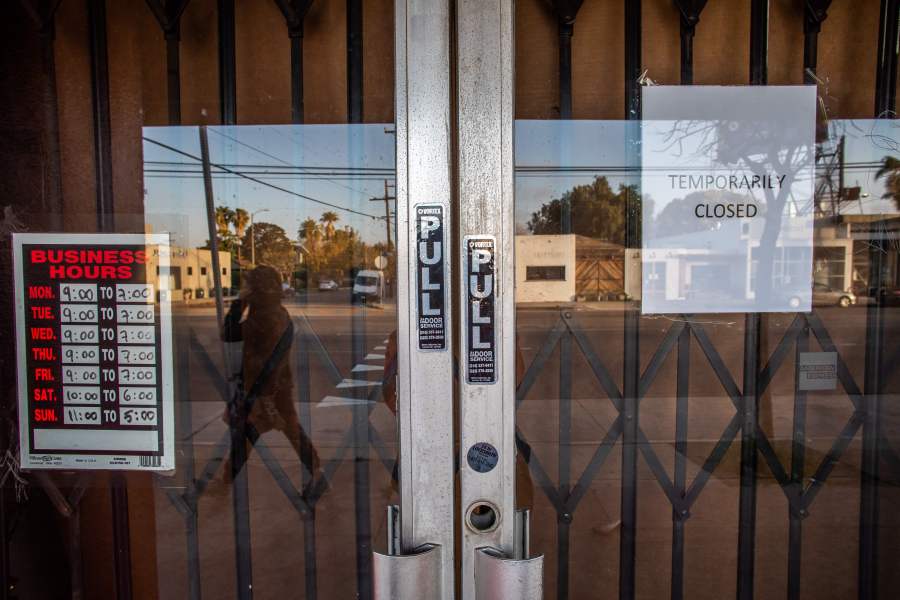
{"points": [[265, 397]]}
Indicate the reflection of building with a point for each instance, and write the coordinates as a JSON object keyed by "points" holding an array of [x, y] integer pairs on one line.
{"points": [[191, 272], [566, 268], [857, 233]]}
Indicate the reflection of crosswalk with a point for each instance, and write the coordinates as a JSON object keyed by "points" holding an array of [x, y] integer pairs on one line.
{"points": [[346, 383]]}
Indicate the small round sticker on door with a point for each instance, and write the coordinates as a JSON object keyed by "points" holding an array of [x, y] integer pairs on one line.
{"points": [[482, 457]]}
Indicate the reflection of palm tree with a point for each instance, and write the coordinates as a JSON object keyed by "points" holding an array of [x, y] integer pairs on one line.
{"points": [[890, 170], [329, 218], [241, 220], [308, 230], [224, 218]]}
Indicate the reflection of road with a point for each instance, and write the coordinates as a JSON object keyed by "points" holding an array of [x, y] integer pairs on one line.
{"points": [[352, 337]]}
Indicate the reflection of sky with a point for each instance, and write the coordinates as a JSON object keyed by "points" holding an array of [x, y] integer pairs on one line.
{"points": [[341, 165], [552, 157], [868, 141]]}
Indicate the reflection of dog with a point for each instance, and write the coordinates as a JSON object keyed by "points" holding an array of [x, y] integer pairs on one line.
{"points": [[264, 368]]}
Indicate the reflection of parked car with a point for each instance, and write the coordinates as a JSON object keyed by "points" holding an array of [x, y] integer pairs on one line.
{"points": [[326, 285], [890, 296], [824, 295]]}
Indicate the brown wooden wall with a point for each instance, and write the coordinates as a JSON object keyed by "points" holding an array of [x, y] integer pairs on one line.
{"points": [[846, 62]]}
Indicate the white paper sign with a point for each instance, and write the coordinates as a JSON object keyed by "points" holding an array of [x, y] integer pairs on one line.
{"points": [[94, 348], [727, 181]]}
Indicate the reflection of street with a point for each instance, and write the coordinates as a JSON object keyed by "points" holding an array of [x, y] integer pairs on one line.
{"points": [[344, 345], [711, 524], [337, 393]]}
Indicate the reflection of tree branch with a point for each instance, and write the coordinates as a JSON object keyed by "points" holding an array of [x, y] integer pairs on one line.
{"points": [[760, 154]]}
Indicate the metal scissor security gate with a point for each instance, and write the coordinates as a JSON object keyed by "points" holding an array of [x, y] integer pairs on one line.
{"points": [[421, 547]]}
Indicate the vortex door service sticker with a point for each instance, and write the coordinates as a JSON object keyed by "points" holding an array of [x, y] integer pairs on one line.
{"points": [[482, 457], [728, 206], [481, 355], [94, 351], [430, 276]]}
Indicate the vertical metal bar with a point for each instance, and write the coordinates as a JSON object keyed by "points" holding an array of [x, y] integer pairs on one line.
{"points": [[682, 394], [361, 468], [425, 378], [689, 13], [798, 456], [76, 559], [4, 545], [53, 199], [191, 520], [227, 63], [310, 575], [759, 42], [485, 137], [121, 537], [749, 423], [632, 59], [813, 15], [173, 74], [566, 30], [296, 35], [358, 323], [687, 52], [565, 463], [100, 110], [355, 61], [885, 105], [105, 222], [886, 74], [631, 328]]}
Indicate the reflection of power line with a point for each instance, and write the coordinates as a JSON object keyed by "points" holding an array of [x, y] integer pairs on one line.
{"points": [[299, 169], [167, 173], [281, 160], [261, 182]]}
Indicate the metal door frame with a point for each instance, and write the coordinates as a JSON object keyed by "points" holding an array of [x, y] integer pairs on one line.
{"points": [[429, 515]]}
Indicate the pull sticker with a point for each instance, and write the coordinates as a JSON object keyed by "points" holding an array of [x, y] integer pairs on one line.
{"points": [[481, 285], [430, 276]]}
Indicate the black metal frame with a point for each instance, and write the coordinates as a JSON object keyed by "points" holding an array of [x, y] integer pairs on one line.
{"points": [[758, 370], [168, 15], [227, 63], [294, 12]]}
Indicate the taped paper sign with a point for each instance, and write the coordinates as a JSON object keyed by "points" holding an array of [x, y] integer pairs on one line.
{"points": [[94, 350], [727, 178]]}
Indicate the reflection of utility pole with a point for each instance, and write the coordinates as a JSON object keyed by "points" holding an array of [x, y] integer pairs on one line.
{"points": [[253, 236], [387, 211]]}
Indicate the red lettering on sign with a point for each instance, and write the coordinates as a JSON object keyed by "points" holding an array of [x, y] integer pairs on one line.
{"points": [[43, 374], [45, 415], [42, 333], [40, 292], [89, 272], [41, 312], [43, 354], [44, 395]]}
